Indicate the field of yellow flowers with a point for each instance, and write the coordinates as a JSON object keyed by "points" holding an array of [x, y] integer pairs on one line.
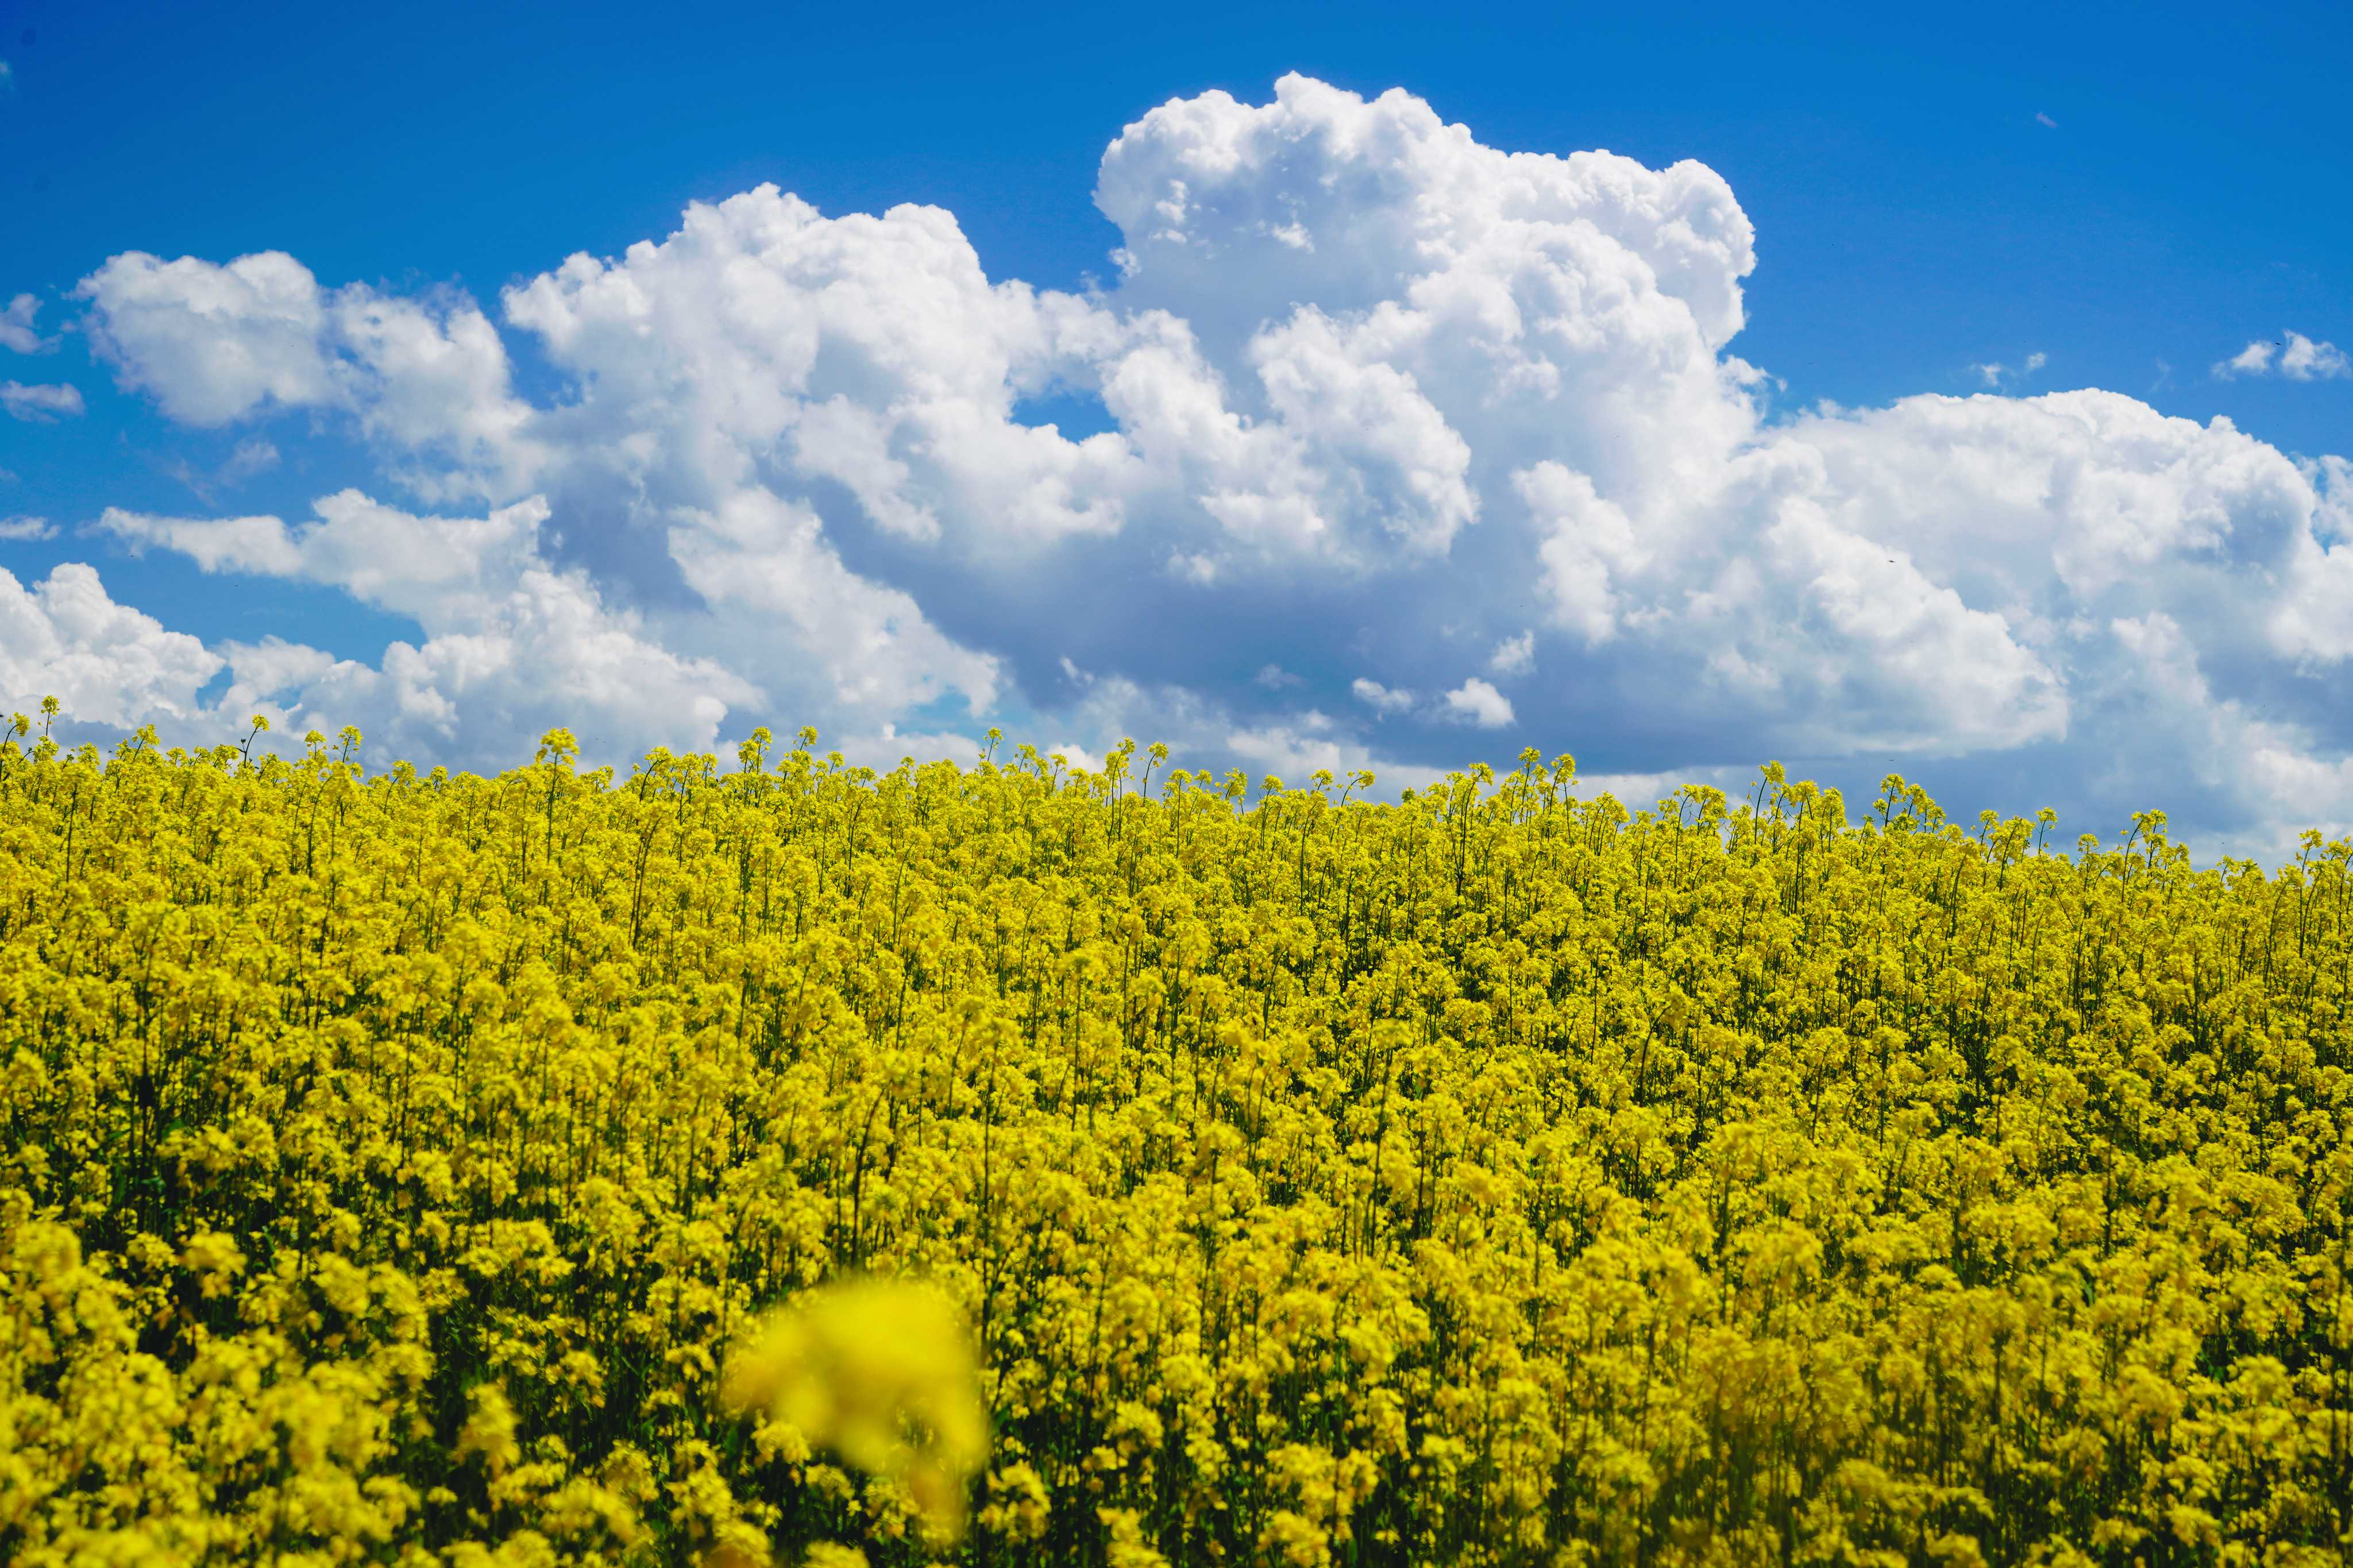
{"points": [[392, 1163]]}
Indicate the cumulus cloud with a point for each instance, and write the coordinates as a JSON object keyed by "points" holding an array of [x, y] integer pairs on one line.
{"points": [[105, 663], [1480, 703], [2295, 356], [27, 530], [16, 333], [1513, 655], [1380, 698], [40, 405], [2253, 360], [1367, 396], [213, 343], [2304, 360], [1309, 744], [512, 645], [217, 344]]}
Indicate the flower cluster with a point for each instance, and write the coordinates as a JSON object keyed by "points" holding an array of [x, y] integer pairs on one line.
{"points": [[788, 1163]]}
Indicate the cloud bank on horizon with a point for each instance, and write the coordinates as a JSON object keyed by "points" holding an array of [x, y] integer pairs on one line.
{"points": [[1385, 448]]}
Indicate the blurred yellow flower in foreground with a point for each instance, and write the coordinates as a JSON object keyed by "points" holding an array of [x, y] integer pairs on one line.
{"points": [[882, 1372]]}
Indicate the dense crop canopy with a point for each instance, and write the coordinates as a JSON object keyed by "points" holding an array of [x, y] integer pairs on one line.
{"points": [[388, 1163]]}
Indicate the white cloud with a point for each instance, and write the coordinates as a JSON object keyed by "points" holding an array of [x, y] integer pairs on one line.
{"points": [[27, 530], [40, 405], [213, 343], [252, 456], [16, 333], [105, 663], [2256, 359], [1481, 703], [2045, 120], [1292, 744], [1323, 195], [1368, 385], [1307, 744], [767, 580], [1585, 541], [2304, 360], [2297, 357], [1993, 373], [1384, 450], [865, 354], [887, 747], [513, 645], [1513, 655]]}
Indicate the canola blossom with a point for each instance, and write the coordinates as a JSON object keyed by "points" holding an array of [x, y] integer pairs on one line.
{"points": [[789, 1163]]}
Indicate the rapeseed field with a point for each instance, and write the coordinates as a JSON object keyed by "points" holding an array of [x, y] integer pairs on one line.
{"points": [[779, 1162]]}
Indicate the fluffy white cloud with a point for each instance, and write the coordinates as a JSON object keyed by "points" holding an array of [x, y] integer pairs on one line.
{"points": [[1480, 703], [2297, 357], [39, 403], [1364, 395], [27, 530], [1239, 213], [513, 645], [866, 354], [2252, 360], [213, 343], [2304, 360], [761, 568], [1583, 541], [1515, 655], [2310, 623], [105, 663], [16, 331]]}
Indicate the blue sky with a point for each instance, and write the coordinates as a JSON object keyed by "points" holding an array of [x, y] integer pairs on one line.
{"points": [[2121, 198]]}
